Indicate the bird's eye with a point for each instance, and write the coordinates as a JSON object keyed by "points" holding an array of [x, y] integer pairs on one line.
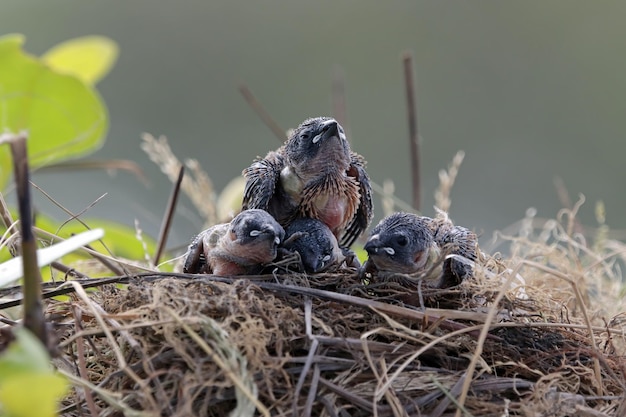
{"points": [[304, 136], [402, 240]]}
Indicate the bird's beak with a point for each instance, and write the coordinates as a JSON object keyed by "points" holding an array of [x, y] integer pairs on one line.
{"points": [[321, 263], [371, 247], [270, 231], [267, 232], [330, 128], [374, 246]]}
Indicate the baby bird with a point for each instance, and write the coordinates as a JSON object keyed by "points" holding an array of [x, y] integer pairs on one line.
{"points": [[405, 243], [316, 175], [317, 246], [240, 247]]}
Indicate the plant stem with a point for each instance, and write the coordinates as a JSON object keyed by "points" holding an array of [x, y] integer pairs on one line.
{"points": [[407, 60], [169, 214], [279, 132], [33, 307]]}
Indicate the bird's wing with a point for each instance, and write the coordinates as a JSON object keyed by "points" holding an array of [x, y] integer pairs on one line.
{"points": [[365, 211], [197, 258], [194, 258], [459, 241], [261, 180]]}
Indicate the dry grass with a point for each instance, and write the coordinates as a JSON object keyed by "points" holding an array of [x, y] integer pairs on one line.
{"points": [[196, 185], [538, 334], [446, 181]]}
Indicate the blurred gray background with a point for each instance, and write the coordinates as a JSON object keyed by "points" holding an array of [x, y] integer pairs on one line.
{"points": [[530, 90]]}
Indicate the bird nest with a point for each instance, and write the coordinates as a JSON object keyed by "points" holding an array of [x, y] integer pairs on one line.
{"points": [[520, 338]]}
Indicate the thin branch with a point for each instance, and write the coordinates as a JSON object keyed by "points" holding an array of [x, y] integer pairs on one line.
{"points": [[5, 214], [67, 270], [121, 270], [279, 132], [169, 214], [63, 289], [33, 306], [108, 165], [340, 112], [8, 222], [76, 217], [407, 60], [82, 366], [72, 215]]}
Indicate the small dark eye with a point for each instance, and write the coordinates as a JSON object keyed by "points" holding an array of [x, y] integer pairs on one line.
{"points": [[402, 240], [304, 136]]}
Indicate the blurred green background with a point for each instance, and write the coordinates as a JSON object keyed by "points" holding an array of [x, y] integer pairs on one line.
{"points": [[529, 90]]}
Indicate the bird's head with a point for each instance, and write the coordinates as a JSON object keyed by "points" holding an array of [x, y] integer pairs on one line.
{"points": [[316, 244], [401, 243], [318, 145], [259, 232]]}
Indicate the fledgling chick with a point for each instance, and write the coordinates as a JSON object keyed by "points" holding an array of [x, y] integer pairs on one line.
{"points": [[454, 240], [317, 246], [316, 175], [405, 243], [401, 243], [240, 247]]}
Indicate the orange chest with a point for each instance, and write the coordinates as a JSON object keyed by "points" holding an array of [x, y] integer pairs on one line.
{"points": [[334, 211], [333, 207]]}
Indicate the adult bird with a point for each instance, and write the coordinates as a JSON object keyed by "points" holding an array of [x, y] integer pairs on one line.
{"points": [[316, 175]]}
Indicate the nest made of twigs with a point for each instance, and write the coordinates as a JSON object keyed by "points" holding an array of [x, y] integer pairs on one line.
{"points": [[541, 333], [329, 345]]}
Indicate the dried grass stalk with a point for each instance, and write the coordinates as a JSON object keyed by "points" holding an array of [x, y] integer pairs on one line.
{"points": [[197, 185], [446, 181], [542, 333]]}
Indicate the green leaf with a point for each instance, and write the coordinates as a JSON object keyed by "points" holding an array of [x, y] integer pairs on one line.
{"points": [[24, 354], [89, 58], [120, 239], [361, 254], [28, 384], [64, 117], [32, 395]]}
